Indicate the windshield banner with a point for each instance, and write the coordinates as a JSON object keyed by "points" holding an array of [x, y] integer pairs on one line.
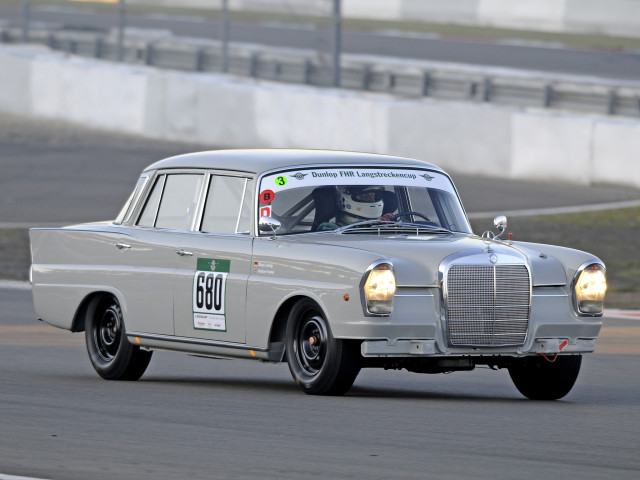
{"points": [[355, 176]]}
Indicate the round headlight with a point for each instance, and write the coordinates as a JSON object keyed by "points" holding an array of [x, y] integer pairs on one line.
{"points": [[379, 288], [590, 288]]}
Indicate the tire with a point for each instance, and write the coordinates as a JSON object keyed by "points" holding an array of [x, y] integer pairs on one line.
{"points": [[324, 365], [539, 379], [110, 352]]}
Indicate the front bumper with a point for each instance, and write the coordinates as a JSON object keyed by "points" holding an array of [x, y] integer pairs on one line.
{"points": [[429, 348]]}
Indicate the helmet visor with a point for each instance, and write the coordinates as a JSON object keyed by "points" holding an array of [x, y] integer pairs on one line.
{"points": [[367, 196]]}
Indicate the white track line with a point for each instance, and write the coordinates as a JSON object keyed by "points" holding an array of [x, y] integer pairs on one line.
{"points": [[34, 224], [13, 477], [14, 285], [597, 207]]}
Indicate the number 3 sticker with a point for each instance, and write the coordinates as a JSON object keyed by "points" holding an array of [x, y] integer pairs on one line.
{"points": [[281, 181]]}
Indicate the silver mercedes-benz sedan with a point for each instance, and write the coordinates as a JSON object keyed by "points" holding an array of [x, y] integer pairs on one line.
{"points": [[330, 261]]}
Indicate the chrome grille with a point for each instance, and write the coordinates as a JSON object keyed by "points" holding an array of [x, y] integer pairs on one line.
{"points": [[488, 305]]}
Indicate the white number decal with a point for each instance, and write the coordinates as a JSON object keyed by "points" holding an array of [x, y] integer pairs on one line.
{"points": [[208, 300]]}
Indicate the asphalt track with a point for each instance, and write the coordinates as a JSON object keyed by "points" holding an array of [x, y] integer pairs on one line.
{"points": [[574, 61], [53, 173], [201, 418]]}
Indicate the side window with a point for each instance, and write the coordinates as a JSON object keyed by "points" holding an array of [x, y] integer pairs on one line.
{"points": [[244, 225], [222, 211], [179, 201], [133, 200], [148, 216]]}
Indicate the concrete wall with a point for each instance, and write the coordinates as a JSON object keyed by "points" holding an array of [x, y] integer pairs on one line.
{"points": [[613, 17], [229, 111]]}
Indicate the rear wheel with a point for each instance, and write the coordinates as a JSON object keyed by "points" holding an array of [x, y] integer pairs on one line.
{"points": [[319, 363], [541, 379], [110, 352]]}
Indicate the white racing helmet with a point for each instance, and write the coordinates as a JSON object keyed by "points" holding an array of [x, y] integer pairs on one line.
{"points": [[360, 203]]}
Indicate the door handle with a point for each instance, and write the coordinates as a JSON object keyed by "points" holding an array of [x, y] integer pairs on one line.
{"points": [[122, 246], [182, 253]]}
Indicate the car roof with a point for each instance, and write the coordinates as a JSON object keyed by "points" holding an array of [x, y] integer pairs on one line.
{"points": [[258, 161]]}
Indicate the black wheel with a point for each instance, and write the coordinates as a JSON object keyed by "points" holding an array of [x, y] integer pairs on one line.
{"points": [[319, 363], [110, 352], [540, 379]]}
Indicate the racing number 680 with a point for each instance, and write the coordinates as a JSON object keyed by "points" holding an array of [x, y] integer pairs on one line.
{"points": [[209, 290]]}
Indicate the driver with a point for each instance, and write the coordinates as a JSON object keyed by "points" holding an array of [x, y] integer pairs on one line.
{"points": [[358, 204]]}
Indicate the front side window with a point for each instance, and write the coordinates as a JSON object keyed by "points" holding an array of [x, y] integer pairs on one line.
{"points": [[179, 201], [224, 205], [325, 199]]}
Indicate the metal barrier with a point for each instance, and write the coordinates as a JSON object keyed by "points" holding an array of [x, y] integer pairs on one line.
{"points": [[402, 79]]}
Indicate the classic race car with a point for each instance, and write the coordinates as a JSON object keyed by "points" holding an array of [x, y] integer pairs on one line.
{"points": [[330, 261]]}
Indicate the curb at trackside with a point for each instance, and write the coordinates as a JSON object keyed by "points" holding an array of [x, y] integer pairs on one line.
{"points": [[626, 314]]}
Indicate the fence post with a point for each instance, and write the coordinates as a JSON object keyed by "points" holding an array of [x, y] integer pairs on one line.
{"points": [[426, 83], [121, 23], [547, 96], [486, 90], [254, 65], [26, 19], [97, 48], [200, 60], [611, 102], [366, 77], [337, 42], [308, 71], [148, 54], [225, 35]]}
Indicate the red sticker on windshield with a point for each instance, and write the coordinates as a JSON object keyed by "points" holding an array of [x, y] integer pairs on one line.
{"points": [[265, 211], [267, 196]]}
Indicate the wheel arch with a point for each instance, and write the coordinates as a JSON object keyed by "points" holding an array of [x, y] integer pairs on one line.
{"points": [[87, 302], [279, 323]]}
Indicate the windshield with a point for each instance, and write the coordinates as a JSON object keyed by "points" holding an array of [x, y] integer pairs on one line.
{"points": [[329, 199]]}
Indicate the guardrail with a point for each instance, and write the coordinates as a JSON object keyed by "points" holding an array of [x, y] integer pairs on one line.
{"points": [[374, 74]]}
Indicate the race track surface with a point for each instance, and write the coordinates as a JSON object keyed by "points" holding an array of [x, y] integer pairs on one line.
{"points": [[201, 418]]}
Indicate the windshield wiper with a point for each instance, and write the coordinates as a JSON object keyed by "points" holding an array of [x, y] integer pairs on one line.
{"points": [[364, 223]]}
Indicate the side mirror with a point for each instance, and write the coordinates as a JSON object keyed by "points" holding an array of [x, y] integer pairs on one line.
{"points": [[268, 225]]}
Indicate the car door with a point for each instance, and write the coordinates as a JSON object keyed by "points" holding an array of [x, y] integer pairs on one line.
{"points": [[211, 278], [167, 215]]}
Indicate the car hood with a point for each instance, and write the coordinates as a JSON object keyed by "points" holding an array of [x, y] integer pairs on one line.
{"points": [[417, 259]]}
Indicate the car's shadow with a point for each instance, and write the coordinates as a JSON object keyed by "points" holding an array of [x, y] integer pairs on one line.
{"points": [[356, 392]]}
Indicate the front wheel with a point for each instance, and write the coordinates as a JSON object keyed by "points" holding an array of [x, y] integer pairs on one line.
{"points": [[541, 379], [319, 363], [110, 352]]}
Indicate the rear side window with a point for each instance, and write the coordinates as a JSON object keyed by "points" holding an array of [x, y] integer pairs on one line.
{"points": [[148, 216], [172, 202], [125, 214]]}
